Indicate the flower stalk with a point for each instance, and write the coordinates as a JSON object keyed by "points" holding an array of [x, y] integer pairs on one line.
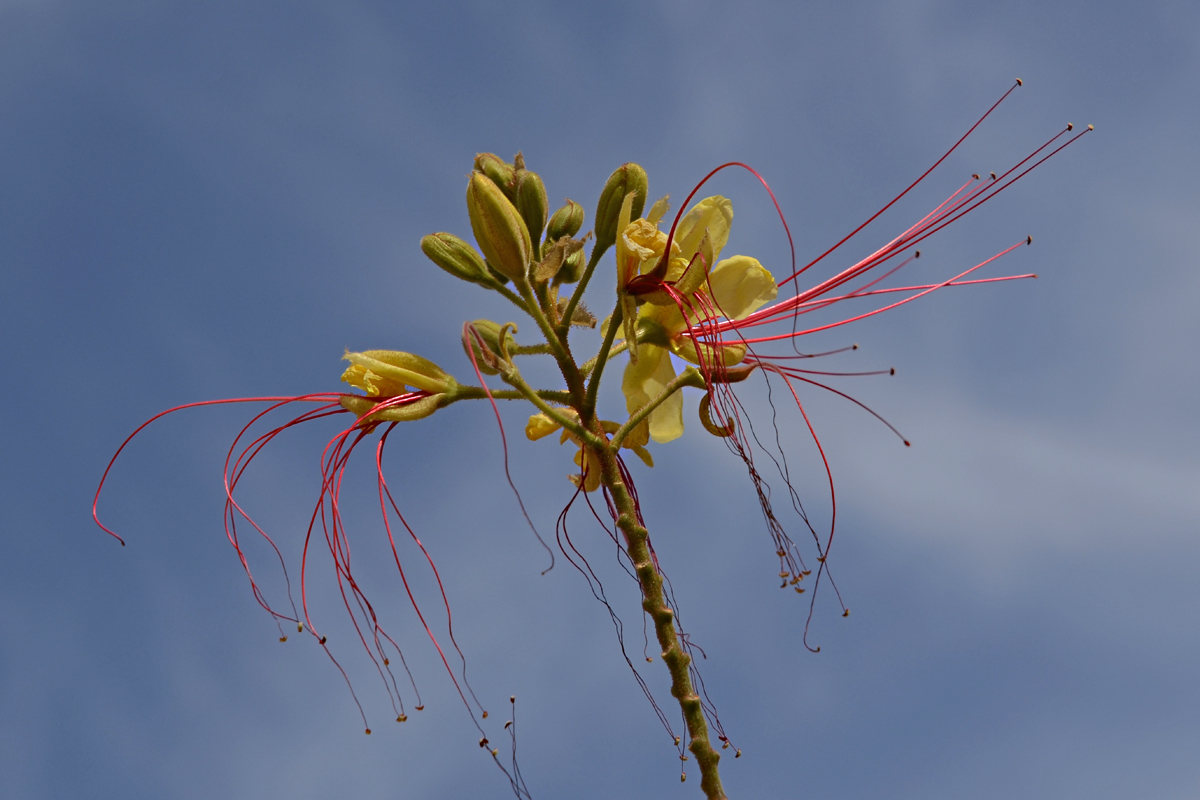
{"points": [[637, 544]]}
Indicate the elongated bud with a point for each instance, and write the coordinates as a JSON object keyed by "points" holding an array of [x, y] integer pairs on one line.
{"points": [[565, 222], [496, 168], [627, 178], [488, 356], [456, 257], [531, 202], [383, 411], [390, 373], [498, 228]]}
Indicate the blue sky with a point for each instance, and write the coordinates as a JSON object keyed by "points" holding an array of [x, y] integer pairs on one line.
{"points": [[206, 200]]}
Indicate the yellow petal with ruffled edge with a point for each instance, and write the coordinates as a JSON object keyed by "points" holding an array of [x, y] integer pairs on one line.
{"points": [[740, 286]]}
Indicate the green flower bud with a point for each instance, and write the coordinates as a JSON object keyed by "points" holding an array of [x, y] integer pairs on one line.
{"points": [[488, 357], [627, 178], [530, 199], [498, 228], [456, 257], [496, 168], [572, 268], [566, 221]]}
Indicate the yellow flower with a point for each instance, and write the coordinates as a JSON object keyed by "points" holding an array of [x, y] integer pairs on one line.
{"points": [[732, 289], [389, 373], [386, 376]]}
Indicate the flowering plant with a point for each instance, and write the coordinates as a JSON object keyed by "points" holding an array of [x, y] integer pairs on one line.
{"points": [[686, 316]]}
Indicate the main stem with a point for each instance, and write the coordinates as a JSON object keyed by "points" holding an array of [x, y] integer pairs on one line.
{"points": [[637, 544]]}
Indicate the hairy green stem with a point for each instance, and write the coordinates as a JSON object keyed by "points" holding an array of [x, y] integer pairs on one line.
{"points": [[577, 295], [593, 387], [637, 544], [514, 378], [530, 349], [559, 346], [586, 367], [477, 393], [511, 296]]}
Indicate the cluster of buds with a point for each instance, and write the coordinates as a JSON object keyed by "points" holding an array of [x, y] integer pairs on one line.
{"points": [[521, 242]]}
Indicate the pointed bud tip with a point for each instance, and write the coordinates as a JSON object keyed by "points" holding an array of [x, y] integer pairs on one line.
{"points": [[1020, 82]]}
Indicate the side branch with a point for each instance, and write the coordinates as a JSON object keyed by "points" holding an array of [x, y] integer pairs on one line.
{"points": [[689, 377]]}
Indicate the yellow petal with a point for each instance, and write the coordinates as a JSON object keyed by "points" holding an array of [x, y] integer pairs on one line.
{"points": [[637, 383], [386, 373], [661, 206], [539, 426], [730, 353], [591, 480], [740, 286], [644, 455], [713, 214], [646, 380], [623, 256]]}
